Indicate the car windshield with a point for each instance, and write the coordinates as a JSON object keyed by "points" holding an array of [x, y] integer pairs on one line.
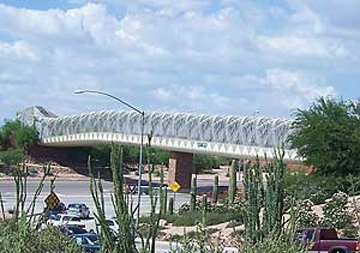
{"points": [[77, 230], [74, 206], [56, 217], [110, 222], [94, 239], [75, 219]]}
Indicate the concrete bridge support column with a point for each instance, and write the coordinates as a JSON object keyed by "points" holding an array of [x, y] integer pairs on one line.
{"points": [[180, 168]]}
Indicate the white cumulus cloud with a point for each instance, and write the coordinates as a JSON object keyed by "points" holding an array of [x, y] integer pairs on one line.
{"points": [[228, 57]]}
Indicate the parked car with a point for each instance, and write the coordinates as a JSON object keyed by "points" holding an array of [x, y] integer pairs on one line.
{"points": [[89, 242], [65, 219], [79, 209], [114, 227], [60, 208], [73, 230], [326, 240]]}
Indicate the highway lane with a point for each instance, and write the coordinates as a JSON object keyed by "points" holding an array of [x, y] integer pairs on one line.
{"points": [[71, 191], [77, 191]]}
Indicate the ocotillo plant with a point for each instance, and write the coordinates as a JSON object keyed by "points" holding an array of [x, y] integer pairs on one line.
{"points": [[215, 190], [20, 179], [193, 193], [148, 245], [120, 203], [97, 195], [232, 182]]}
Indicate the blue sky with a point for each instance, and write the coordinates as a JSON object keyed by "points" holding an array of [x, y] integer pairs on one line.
{"points": [[225, 57]]}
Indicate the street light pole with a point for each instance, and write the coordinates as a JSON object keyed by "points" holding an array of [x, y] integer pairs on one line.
{"points": [[142, 113]]}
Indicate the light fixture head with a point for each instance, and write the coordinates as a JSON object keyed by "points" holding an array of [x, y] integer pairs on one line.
{"points": [[79, 91]]}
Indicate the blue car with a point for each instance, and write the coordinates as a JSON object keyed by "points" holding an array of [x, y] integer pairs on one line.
{"points": [[89, 242]]}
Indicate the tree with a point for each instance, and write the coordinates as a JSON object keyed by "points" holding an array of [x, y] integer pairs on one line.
{"points": [[14, 134], [25, 137], [202, 162], [7, 131], [11, 157], [327, 135]]}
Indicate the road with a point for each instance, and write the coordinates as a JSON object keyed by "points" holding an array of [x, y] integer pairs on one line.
{"points": [[78, 191], [165, 247], [71, 191]]}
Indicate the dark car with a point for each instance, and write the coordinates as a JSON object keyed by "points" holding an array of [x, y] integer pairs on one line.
{"points": [[79, 209], [89, 242], [73, 230]]}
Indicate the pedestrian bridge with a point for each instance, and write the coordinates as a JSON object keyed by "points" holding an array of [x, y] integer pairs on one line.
{"points": [[231, 136]]}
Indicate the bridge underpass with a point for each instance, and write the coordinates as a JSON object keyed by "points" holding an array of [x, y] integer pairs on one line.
{"points": [[181, 133]]}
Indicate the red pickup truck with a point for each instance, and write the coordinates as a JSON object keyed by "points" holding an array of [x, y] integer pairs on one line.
{"points": [[325, 240]]}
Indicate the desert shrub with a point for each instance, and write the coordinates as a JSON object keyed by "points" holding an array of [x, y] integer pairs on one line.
{"points": [[316, 187], [305, 216], [336, 213], [203, 163], [195, 217], [272, 245], [350, 232], [18, 237], [199, 241], [212, 218]]}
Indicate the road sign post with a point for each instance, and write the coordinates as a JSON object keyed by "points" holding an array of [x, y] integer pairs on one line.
{"points": [[174, 186], [52, 201]]}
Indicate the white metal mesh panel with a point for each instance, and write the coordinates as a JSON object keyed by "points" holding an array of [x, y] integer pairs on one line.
{"points": [[249, 131]]}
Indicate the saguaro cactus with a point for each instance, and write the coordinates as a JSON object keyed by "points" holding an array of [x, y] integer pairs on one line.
{"points": [[273, 189], [232, 182], [215, 190], [252, 185], [204, 208], [193, 194], [264, 187], [164, 200], [171, 205]]}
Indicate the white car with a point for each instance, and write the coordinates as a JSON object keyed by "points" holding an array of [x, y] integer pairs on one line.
{"points": [[65, 220], [113, 225]]}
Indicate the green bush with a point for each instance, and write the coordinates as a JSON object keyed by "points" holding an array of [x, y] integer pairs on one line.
{"points": [[200, 241], [192, 218], [203, 163], [18, 237], [305, 216], [336, 213], [11, 156], [316, 187], [130, 154], [24, 136], [272, 245], [212, 218]]}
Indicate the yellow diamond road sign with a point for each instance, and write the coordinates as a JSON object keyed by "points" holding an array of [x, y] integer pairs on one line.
{"points": [[174, 186], [52, 200]]}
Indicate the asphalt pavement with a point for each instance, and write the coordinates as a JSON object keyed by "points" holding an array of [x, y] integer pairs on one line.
{"points": [[72, 191], [75, 192]]}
